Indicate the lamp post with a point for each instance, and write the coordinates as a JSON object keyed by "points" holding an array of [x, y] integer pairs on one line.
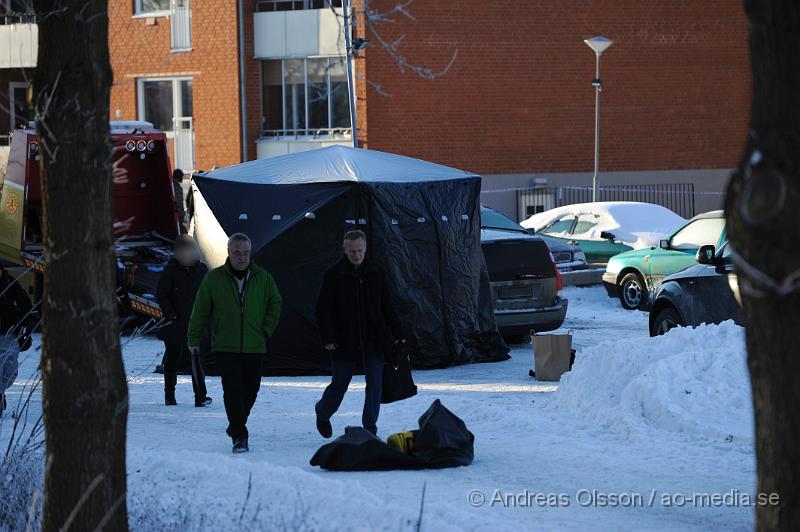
{"points": [[599, 45]]}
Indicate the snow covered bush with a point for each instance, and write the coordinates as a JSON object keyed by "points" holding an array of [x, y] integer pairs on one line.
{"points": [[21, 466]]}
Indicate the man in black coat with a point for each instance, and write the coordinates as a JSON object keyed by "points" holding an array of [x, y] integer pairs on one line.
{"points": [[16, 324], [176, 291], [357, 323]]}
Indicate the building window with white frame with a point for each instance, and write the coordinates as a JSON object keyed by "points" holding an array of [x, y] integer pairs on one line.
{"points": [[152, 8], [162, 101], [167, 104], [305, 97]]}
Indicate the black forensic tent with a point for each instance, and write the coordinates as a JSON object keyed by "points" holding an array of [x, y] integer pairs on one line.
{"points": [[422, 222], [442, 440]]}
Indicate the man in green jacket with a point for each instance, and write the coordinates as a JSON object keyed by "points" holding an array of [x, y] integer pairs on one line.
{"points": [[241, 303]]}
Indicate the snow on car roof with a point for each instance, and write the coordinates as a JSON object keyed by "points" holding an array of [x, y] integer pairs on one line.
{"points": [[634, 223]]}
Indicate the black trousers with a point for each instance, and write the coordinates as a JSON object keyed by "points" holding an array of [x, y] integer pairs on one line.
{"points": [[241, 379], [173, 353]]}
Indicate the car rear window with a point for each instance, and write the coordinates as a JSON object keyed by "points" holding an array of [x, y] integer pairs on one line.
{"points": [[506, 260]]}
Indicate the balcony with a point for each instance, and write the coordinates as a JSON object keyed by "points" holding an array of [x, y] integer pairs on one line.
{"points": [[19, 40], [280, 142], [300, 28]]}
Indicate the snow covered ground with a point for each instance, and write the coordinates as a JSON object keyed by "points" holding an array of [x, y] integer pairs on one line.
{"points": [[637, 420]]}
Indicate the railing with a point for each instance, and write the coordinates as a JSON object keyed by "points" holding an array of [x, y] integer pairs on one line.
{"points": [[313, 133], [294, 5], [181, 15], [184, 143], [17, 18], [678, 197]]}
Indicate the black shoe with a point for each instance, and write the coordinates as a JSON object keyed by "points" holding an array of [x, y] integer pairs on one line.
{"points": [[324, 427], [169, 398], [240, 445], [202, 402]]}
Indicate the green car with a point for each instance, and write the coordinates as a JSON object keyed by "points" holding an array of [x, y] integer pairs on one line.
{"points": [[630, 276]]}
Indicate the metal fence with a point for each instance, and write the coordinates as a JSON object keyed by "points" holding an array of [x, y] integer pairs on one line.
{"points": [[294, 5], [677, 197]]}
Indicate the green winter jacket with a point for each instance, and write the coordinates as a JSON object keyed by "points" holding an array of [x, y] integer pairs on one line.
{"points": [[236, 328]]}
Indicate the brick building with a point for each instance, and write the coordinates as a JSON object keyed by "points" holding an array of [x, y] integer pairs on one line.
{"points": [[233, 80]]}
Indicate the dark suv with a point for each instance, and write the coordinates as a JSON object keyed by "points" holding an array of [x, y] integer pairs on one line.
{"points": [[526, 286]]}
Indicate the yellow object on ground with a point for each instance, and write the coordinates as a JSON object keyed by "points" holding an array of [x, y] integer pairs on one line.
{"points": [[401, 441]]}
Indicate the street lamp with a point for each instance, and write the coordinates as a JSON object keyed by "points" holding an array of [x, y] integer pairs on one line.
{"points": [[599, 45]]}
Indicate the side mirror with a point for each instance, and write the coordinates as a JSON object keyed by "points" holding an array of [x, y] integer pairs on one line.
{"points": [[663, 244], [607, 236], [706, 255]]}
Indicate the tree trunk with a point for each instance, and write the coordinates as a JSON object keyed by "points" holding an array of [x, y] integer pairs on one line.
{"points": [[763, 223], [84, 390]]}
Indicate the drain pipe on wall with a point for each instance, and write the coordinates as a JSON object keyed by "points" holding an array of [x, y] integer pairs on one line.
{"points": [[242, 82]]}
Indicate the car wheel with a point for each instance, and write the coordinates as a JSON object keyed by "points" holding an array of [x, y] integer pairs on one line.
{"points": [[666, 319], [632, 292]]}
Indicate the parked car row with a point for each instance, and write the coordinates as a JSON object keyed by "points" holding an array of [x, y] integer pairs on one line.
{"points": [[679, 270]]}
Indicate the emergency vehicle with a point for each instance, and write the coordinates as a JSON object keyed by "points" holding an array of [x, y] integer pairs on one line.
{"points": [[144, 202]]}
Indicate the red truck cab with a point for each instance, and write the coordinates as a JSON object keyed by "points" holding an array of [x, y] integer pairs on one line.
{"points": [[144, 208]]}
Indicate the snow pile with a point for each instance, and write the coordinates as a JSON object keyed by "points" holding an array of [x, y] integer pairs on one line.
{"points": [[690, 381], [189, 490], [638, 225]]}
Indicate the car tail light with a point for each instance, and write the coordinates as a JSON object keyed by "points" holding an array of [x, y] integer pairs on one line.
{"points": [[559, 279], [151, 145], [34, 146], [141, 145], [130, 145]]}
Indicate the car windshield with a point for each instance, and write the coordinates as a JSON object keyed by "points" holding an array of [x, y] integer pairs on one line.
{"points": [[701, 232], [491, 219]]}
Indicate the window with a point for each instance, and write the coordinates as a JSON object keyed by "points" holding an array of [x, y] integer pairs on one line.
{"points": [[17, 12], [560, 227], [292, 5], [701, 232], [163, 100], [20, 112], [491, 219], [586, 223], [152, 7], [305, 96]]}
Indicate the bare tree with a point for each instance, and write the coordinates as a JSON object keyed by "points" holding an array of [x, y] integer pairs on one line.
{"points": [[762, 208], [84, 390]]}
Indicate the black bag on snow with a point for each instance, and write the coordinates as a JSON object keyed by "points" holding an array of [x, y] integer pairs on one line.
{"points": [[443, 440], [397, 383]]}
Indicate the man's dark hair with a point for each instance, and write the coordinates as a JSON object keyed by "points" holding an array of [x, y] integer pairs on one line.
{"points": [[177, 175]]}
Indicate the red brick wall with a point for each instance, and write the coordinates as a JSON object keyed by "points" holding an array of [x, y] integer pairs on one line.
{"points": [[138, 50], [519, 96]]}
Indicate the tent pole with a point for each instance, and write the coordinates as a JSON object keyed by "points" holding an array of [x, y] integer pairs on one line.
{"points": [[351, 86]]}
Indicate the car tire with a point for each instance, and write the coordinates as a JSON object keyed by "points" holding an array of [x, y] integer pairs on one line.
{"points": [[666, 319], [632, 292]]}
